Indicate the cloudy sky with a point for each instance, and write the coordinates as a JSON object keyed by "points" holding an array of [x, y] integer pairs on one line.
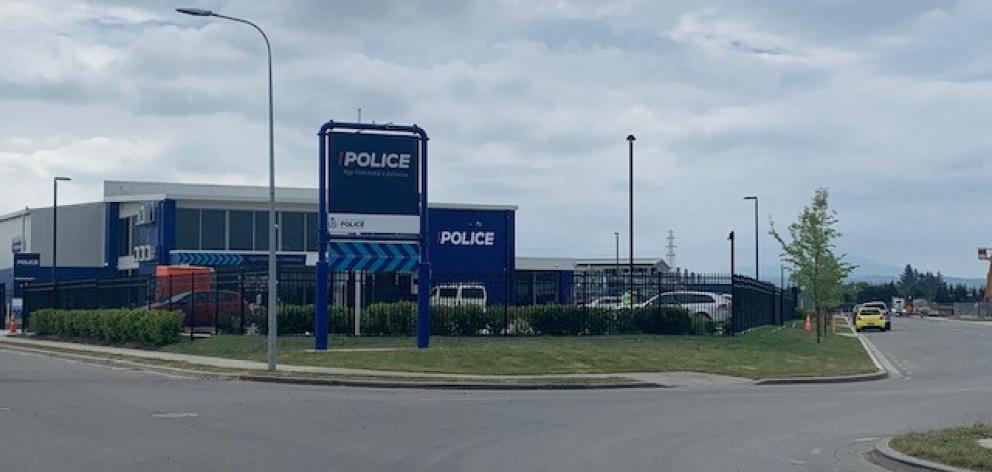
{"points": [[528, 103]]}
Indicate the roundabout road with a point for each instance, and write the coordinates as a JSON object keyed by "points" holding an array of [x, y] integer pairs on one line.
{"points": [[62, 415]]}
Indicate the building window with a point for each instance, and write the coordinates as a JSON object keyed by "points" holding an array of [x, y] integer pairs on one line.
{"points": [[261, 230], [123, 237], [213, 225], [187, 229], [293, 231], [312, 231], [241, 225]]}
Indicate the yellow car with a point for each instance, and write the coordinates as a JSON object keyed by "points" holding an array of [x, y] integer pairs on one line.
{"points": [[869, 317]]}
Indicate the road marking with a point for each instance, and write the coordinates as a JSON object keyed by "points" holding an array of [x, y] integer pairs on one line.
{"points": [[907, 378], [873, 438], [880, 361], [3, 408], [816, 451], [175, 415]]}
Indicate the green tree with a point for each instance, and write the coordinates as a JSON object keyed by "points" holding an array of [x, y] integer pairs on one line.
{"points": [[810, 252]]}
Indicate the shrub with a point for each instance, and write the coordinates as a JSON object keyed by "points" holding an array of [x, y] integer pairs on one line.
{"points": [[299, 319], [117, 326], [389, 319], [461, 320], [663, 320]]}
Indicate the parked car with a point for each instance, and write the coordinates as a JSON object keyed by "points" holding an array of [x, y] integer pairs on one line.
{"points": [[704, 306], [608, 302], [459, 295], [202, 307], [871, 317]]}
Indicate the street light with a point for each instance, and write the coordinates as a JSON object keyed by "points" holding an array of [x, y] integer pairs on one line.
{"points": [[630, 143], [272, 330], [755, 234], [730, 237], [55, 222]]}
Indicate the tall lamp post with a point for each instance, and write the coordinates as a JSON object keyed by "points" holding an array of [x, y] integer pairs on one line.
{"points": [[755, 235], [55, 223], [630, 143], [730, 238], [272, 329]]}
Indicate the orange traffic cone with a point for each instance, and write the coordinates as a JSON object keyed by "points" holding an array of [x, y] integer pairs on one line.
{"points": [[808, 325], [13, 325]]}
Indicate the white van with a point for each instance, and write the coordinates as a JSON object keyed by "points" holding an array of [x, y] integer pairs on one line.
{"points": [[459, 295]]}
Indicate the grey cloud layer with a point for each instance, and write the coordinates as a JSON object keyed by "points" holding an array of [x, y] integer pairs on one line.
{"points": [[528, 103]]}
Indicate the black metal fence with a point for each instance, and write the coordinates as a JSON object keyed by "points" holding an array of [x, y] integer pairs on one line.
{"points": [[521, 303]]}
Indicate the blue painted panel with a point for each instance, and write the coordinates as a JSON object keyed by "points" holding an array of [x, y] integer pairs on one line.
{"points": [[372, 256], [471, 241]]}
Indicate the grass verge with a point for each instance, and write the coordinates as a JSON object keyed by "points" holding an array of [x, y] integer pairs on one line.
{"points": [[199, 368], [767, 352], [953, 446]]}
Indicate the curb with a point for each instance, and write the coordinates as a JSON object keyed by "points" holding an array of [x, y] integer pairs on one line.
{"points": [[199, 374], [879, 375], [894, 460]]}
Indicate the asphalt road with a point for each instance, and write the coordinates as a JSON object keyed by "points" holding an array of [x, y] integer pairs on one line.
{"points": [[62, 415]]}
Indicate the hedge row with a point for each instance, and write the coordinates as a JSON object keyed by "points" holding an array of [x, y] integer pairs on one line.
{"points": [[112, 326], [399, 319]]}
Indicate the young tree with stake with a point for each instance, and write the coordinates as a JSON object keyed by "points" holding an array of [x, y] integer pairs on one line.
{"points": [[817, 271]]}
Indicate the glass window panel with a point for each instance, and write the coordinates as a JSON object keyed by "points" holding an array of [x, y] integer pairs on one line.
{"points": [[213, 226], [241, 230], [187, 229], [261, 230], [292, 231], [312, 232]]}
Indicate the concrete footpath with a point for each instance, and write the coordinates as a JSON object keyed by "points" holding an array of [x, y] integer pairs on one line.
{"points": [[656, 379]]}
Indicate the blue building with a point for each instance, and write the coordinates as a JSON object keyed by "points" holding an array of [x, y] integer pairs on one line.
{"points": [[141, 225]]}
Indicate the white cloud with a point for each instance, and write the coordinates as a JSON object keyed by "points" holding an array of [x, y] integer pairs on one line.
{"points": [[528, 103]]}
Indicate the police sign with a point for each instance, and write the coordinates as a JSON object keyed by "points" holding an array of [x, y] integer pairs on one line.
{"points": [[373, 184]]}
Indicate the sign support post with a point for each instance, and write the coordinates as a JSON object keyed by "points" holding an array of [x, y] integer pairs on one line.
{"points": [[373, 197]]}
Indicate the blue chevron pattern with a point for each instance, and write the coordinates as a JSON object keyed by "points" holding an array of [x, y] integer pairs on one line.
{"points": [[206, 258], [372, 256]]}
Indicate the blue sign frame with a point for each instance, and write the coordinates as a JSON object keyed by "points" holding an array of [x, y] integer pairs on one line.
{"points": [[359, 242]]}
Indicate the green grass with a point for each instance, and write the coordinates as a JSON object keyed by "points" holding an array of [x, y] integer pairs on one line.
{"points": [[953, 446], [763, 353]]}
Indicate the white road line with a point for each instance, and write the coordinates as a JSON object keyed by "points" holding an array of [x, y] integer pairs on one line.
{"points": [[872, 438], [4, 408], [816, 451], [878, 358], [175, 415]]}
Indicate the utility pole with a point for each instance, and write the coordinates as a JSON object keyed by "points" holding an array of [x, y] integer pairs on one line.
{"points": [[616, 237], [630, 142]]}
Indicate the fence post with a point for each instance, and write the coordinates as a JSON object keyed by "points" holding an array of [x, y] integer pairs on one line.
{"points": [[241, 298], [216, 300], [506, 302], [192, 305]]}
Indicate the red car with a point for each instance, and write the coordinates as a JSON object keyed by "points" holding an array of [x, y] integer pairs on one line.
{"points": [[203, 307]]}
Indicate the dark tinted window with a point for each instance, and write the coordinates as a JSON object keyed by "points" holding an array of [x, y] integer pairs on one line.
{"points": [[187, 229], [701, 299], [312, 231], [241, 227], [472, 293], [261, 230], [448, 293], [213, 224], [292, 231]]}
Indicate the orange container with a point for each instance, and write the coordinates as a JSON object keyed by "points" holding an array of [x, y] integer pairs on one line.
{"points": [[173, 280]]}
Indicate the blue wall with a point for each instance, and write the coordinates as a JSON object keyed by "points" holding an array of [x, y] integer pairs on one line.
{"points": [[459, 243], [473, 246]]}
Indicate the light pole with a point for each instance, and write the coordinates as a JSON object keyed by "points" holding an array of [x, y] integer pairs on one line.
{"points": [[273, 329], [630, 143], [55, 223], [730, 238], [755, 235]]}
